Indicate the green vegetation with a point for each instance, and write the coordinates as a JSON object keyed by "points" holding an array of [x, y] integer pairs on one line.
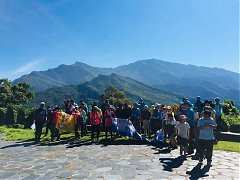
{"points": [[115, 96], [14, 101], [19, 134], [229, 108], [14, 94], [16, 115], [228, 146], [231, 114], [231, 119], [16, 134]]}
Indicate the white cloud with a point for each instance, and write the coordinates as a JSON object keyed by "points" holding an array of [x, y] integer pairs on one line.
{"points": [[26, 68]]}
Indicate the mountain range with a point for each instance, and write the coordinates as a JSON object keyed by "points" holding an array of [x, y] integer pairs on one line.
{"points": [[92, 90], [184, 80]]}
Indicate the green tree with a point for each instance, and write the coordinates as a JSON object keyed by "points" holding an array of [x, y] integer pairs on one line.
{"points": [[2, 115], [29, 120], [5, 92], [21, 116], [10, 116], [14, 94], [115, 96], [229, 108]]}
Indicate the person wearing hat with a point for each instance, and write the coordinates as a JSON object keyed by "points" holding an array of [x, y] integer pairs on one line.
{"points": [[186, 109], [169, 124], [206, 126], [40, 118], [183, 129]]}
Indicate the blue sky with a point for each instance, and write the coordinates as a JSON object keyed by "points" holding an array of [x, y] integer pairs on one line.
{"points": [[41, 34]]}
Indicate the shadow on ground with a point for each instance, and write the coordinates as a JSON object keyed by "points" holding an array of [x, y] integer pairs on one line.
{"points": [[108, 142], [198, 172], [71, 142], [171, 163]]}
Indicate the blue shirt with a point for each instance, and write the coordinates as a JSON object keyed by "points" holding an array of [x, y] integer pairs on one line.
{"points": [[204, 132], [191, 120], [136, 113], [157, 114]]}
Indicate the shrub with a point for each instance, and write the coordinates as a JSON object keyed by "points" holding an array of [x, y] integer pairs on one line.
{"points": [[21, 116], [10, 116], [2, 115], [29, 120], [18, 126], [229, 108], [231, 119], [235, 128]]}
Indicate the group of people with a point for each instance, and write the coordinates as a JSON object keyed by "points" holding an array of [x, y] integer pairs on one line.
{"points": [[191, 126]]}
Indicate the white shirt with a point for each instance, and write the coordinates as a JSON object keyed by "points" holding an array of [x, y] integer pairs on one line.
{"points": [[170, 121], [183, 130]]}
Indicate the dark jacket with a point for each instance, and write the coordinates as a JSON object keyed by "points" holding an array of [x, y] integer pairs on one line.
{"points": [[146, 114], [40, 116]]}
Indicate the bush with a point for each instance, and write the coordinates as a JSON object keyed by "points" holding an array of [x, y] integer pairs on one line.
{"points": [[229, 108], [18, 126], [10, 116], [231, 119], [235, 128], [2, 115], [21, 116], [222, 126], [29, 120]]}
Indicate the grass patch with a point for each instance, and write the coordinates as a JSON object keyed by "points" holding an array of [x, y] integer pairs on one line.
{"points": [[16, 134], [228, 146], [19, 134]]}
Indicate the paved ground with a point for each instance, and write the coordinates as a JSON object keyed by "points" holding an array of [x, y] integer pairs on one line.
{"points": [[85, 161]]}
